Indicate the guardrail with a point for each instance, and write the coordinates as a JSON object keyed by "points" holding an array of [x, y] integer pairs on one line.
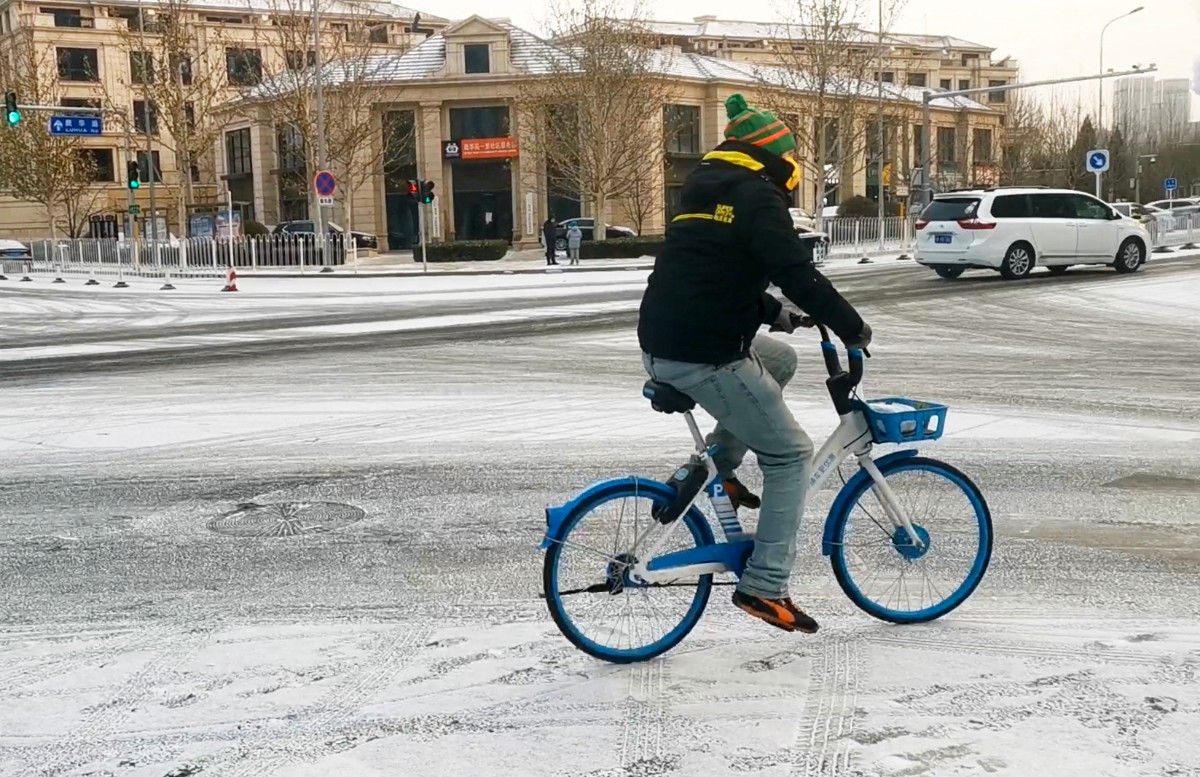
{"points": [[193, 257], [859, 236], [1173, 232]]}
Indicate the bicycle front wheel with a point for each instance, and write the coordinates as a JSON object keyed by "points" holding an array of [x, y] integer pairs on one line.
{"points": [[894, 579]]}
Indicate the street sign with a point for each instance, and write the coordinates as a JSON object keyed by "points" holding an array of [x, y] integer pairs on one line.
{"points": [[324, 183], [325, 202], [1170, 184], [135, 209], [76, 125], [1097, 161]]}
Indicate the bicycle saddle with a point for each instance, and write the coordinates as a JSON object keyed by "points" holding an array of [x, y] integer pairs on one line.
{"points": [[667, 399]]}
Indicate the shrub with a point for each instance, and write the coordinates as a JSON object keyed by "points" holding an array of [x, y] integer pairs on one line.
{"points": [[253, 228], [867, 208], [621, 248], [464, 251]]}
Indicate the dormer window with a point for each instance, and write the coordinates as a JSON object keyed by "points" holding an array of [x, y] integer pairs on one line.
{"points": [[477, 58]]}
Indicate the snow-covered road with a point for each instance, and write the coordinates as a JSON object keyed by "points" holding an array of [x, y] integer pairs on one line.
{"points": [[143, 629]]}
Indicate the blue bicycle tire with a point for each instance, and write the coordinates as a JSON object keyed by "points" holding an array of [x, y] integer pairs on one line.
{"points": [[701, 534], [970, 582]]}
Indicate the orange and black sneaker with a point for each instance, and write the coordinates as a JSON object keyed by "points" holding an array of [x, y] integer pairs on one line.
{"points": [[740, 495], [780, 613]]}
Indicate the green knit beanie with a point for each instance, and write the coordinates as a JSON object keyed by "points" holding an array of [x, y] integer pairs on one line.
{"points": [[757, 126]]}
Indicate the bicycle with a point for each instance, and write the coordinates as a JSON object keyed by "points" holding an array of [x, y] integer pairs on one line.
{"points": [[862, 424]]}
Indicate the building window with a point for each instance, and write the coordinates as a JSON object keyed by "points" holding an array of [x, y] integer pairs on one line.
{"points": [[945, 84], [981, 142], [947, 152], [298, 60], [181, 68], [918, 134], [141, 67], [997, 97], [238, 156], [145, 115], [145, 169], [341, 28], [490, 122], [378, 34], [964, 83], [68, 17], [916, 79], [681, 124], [99, 161], [189, 115], [194, 173], [477, 57], [887, 76], [243, 66], [78, 65], [80, 102], [293, 173]]}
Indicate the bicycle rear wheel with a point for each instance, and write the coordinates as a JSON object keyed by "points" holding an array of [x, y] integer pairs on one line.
{"points": [[588, 587], [944, 572]]}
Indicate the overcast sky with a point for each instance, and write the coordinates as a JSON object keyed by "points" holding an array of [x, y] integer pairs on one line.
{"points": [[1051, 38]]}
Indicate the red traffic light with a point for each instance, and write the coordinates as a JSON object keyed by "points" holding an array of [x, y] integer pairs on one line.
{"points": [[412, 189]]}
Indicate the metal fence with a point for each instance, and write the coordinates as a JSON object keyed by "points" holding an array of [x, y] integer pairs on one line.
{"points": [[1172, 232], [194, 257], [860, 236]]}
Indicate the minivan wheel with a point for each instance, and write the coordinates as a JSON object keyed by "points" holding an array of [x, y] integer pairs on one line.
{"points": [[1129, 256], [1018, 262], [949, 272]]}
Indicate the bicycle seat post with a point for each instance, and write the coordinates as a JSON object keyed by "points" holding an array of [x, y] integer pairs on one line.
{"points": [[701, 446]]}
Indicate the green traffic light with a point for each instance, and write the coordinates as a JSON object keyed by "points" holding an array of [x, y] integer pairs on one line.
{"points": [[14, 118], [135, 184]]}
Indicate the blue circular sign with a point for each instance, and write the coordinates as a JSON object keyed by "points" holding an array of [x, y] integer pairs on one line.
{"points": [[324, 183]]}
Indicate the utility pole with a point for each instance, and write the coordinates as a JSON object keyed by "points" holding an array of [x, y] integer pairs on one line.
{"points": [[320, 107], [879, 118], [929, 96], [150, 167]]}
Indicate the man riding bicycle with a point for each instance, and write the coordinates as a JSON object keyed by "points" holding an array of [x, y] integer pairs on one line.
{"points": [[698, 329]]}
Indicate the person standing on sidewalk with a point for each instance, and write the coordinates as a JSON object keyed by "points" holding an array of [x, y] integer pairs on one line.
{"points": [[574, 239], [549, 233]]}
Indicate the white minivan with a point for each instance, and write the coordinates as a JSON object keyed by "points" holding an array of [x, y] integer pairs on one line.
{"points": [[1016, 229]]}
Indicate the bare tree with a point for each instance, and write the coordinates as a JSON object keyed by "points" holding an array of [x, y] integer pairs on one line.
{"points": [[181, 87], [56, 172], [826, 64], [598, 106], [354, 80]]}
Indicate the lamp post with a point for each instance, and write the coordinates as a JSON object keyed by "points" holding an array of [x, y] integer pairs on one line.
{"points": [[879, 119], [1104, 29]]}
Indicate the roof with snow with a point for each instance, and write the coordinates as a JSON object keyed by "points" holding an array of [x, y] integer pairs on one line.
{"points": [[532, 55], [712, 28], [380, 8]]}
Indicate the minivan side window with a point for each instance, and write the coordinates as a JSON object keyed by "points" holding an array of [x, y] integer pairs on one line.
{"points": [[1011, 206], [1053, 206], [1088, 208]]}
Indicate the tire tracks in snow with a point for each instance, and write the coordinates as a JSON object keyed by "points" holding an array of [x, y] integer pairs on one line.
{"points": [[823, 742]]}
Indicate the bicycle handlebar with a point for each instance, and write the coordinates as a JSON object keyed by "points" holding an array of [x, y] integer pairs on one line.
{"points": [[840, 382]]}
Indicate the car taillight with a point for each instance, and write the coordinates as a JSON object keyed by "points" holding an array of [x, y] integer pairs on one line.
{"points": [[921, 224], [976, 224]]}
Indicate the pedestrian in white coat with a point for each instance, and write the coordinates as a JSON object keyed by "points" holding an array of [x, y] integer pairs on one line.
{"points": [[574, 239]]}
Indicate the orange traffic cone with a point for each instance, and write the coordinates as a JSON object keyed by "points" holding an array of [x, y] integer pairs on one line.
{"points": [[231, 281]]}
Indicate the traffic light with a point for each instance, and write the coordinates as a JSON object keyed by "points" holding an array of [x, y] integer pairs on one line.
{"points": [[412, 189], [135, 174], [11, 112], [426, 192]]}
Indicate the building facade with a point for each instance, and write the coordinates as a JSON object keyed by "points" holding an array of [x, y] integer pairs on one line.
{"points": [[457, 98], [156, 71]]}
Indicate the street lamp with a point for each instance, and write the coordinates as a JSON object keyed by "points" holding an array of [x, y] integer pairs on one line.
{"points": [[1104, 29]]}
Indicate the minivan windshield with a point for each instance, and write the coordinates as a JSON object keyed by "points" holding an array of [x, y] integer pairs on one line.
{"points": [[951, 209]]}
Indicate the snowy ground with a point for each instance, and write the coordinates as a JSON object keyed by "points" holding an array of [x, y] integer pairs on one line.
{"points": [[140, 637]]}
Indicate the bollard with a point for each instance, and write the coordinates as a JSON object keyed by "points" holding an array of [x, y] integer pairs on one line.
{"points": [[167, 284], [121, 284], [865, 260], [230, 280], [58, 275], [91, 281]]}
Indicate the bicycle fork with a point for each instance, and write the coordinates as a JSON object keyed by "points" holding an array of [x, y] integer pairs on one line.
{"points": [[887, 498]]}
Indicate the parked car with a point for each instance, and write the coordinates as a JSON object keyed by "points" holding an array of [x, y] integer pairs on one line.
{"points": [[12, 254], [802, 218], [588, 227], [1184, 206], [820, 241], [1135, 211], [1013, 230], [361, 239]]}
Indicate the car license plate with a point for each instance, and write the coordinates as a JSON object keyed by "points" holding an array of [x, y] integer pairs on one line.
{"points": [[943, 238]]}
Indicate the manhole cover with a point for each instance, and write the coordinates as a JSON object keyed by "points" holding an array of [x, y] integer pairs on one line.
{"points": [[285, 519]]}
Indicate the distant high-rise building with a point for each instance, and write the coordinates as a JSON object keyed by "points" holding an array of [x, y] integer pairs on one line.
{"points": [[1150, 111]]}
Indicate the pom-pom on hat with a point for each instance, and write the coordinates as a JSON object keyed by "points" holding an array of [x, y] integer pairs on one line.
{"points": [[757, 126]]}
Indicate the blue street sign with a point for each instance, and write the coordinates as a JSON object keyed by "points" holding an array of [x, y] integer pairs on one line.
{"points": [[1170, 184], [1097, 161], [324, 183], [76, 125]]}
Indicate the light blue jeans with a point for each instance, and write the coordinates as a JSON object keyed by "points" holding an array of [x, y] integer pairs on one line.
{"points": [[746, 399]]}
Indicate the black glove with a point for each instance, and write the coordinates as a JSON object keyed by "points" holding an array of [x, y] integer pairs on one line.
{"points": [[861, 340], [784, 322]]}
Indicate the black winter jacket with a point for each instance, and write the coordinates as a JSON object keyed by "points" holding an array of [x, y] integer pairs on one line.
{"points": [[706, 297]]}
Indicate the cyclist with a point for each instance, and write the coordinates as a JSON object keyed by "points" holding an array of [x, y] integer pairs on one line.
{"points": [[704, 303]]}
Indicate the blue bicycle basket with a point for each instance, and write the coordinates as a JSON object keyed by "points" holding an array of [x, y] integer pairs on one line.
{"points": [[900, 420]]}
